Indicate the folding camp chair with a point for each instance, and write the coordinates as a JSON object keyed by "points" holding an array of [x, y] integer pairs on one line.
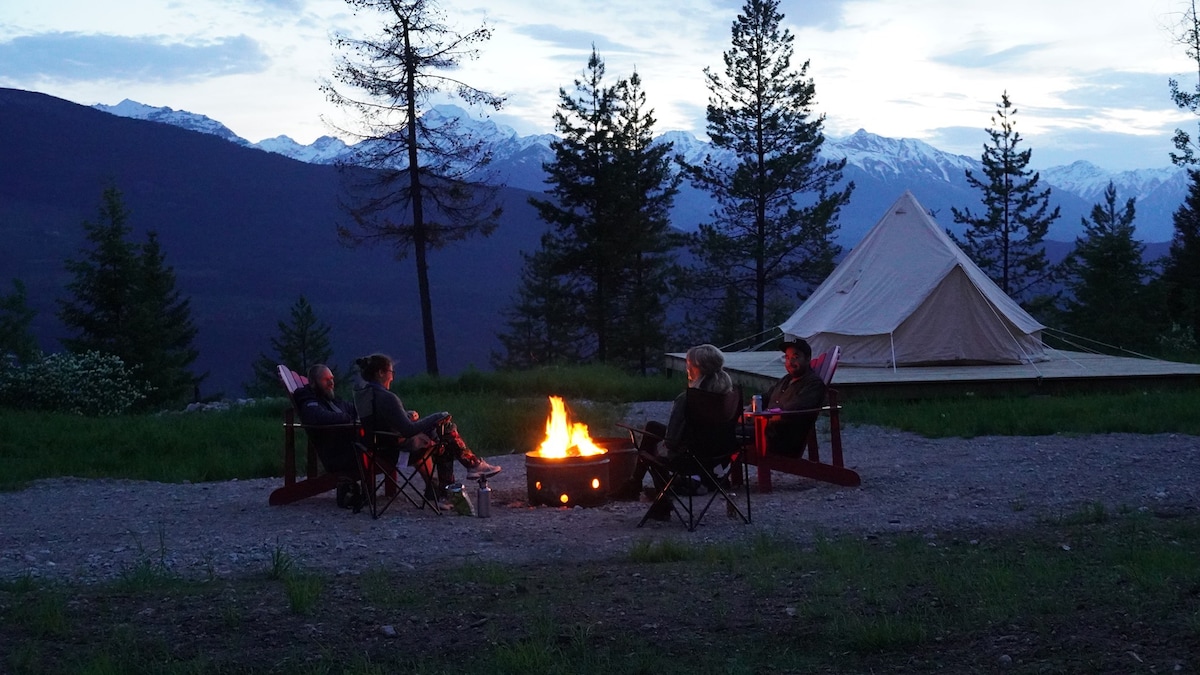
{"points": [[381, 469], [708, 458]]}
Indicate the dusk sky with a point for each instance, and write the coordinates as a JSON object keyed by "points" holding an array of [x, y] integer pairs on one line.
{"points": [[1089, 77]]}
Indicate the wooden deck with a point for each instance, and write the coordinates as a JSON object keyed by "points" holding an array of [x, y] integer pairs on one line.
{"points": [[1063, 372]]}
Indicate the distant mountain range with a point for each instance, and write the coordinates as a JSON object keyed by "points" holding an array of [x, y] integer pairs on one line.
{"points": [[248, 232], [881, 168]]}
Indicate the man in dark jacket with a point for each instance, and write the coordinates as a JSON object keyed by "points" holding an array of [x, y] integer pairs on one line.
{"points": [[327, 419], [800, 389]]}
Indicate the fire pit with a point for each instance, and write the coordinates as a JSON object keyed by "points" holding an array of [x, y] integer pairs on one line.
{"points": [[568, 469]]}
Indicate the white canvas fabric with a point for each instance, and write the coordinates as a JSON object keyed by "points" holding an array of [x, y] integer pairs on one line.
{"points": [[907, 295]]}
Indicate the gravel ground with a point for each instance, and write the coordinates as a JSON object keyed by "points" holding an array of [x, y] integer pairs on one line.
{"points": [[93, 530]]}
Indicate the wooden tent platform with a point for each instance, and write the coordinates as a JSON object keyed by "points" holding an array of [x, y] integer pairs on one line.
{"points": [[1063, 372]]}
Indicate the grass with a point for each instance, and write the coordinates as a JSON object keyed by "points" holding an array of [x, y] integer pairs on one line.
{"points": [[1145, 412], [1081, 592], [1121, 594]]}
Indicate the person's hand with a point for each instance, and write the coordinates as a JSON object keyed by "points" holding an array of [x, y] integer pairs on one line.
{"points": [[413, 415]]}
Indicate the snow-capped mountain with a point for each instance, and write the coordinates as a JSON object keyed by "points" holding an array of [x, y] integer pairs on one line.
{"points": [[179, 118], [879, 166]]}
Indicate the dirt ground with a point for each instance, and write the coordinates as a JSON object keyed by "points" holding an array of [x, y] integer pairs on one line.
{"points": [[454, 583]]}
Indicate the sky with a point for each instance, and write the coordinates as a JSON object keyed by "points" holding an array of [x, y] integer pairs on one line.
{"points": [[1089, 78]]}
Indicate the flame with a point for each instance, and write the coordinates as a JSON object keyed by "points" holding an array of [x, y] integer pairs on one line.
{"points": [[564, 439]]}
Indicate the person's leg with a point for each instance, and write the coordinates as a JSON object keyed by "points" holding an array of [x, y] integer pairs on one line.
{"points": [[455, 445], [647, 443]]}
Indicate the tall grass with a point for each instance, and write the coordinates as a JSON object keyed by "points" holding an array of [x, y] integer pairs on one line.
{"points": [[1144, 412], [505, 412]]}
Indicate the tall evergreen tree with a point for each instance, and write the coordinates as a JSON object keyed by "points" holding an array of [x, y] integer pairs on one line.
{"points": [[610, 245], [1188, 36], [644, 213], [124, 303], [1181, 271], [300, 343], [544, 324], [16, 317], [426, 188], [1107, 279], [164, 320], [777, 202], [1005, 241]]}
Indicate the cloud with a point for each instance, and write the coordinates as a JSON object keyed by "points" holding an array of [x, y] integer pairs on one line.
{"points": [[980, 58], [1145, 91], [83, 57], [575, 40], [826, 15]]}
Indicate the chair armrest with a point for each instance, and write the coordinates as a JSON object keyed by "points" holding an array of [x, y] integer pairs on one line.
{"points": [[639, 430]]}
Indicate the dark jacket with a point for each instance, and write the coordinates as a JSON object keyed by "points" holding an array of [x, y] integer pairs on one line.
{"points": [[787, 435], [381, 410], [335, 443]]}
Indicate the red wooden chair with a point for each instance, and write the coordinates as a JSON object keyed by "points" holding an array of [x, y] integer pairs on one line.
{"points": [[313, 482], [809, 464]]}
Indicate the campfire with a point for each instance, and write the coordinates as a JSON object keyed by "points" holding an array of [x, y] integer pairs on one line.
{"points": [[568, 468]]}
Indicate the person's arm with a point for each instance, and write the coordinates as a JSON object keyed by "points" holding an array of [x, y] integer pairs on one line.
{"points": [[390, 415], [674, 438]]}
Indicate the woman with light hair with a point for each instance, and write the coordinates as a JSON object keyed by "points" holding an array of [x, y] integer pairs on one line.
{"points": [[705, 368]]}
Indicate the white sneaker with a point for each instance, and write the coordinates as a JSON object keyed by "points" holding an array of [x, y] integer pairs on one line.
{"points": [[483, 470]]}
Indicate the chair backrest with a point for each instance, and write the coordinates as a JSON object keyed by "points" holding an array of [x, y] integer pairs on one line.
{"points": [[291, 379], [826, 364], [711, 420]]}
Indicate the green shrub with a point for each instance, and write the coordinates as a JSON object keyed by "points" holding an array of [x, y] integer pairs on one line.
{"points": [[92, 384]]}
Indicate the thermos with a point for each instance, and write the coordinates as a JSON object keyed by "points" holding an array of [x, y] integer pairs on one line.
{"points": [[483, 502]]}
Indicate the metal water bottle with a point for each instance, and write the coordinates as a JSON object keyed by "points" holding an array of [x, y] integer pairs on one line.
{"points": [[483, 503]]}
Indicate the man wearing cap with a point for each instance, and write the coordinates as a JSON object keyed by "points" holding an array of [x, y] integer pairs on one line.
{"points": [[800, 389]]}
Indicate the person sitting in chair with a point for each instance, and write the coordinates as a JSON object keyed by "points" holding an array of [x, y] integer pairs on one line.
{"points": [[389, 415], [705, 368], [330, 425], [800, 389]]}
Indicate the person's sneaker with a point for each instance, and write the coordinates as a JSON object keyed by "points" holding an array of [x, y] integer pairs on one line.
{"points": [[483, 470]]}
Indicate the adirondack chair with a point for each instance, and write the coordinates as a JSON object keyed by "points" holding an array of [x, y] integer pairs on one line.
{"points": [[809, 464], [314, 482]]}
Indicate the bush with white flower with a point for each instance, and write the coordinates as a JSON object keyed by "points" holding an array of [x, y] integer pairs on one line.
{"points": [[91, 384]]}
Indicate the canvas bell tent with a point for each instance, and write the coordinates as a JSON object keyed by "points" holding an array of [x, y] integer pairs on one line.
{"points": [[907, 295]]}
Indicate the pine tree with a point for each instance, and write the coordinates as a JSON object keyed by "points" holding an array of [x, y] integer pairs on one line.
{"points": [[16, 317], [1107, 279], [1005, 241], [1189, 37], [610, 245], [544, 323], [299, 344], [164, 326], [1181, 271], [425, 188], [644, 212], [124, 303], [101, 306], [777, 206]]}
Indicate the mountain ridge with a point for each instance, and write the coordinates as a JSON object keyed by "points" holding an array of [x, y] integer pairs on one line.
{"points": [[1081, 184]]}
